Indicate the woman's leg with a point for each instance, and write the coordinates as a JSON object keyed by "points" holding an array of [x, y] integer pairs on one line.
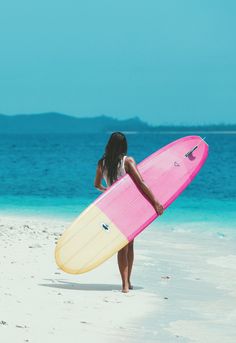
{"points": [[130, 261], [124, 268]]}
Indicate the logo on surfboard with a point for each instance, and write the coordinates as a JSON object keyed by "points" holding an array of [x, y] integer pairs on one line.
{"points": [[105, 226]]}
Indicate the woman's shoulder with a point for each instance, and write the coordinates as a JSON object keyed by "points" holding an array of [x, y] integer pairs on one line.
{"points": [[128, 161]]}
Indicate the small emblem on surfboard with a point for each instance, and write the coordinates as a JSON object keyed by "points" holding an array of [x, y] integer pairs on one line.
{"points": [[176, 164], [105, 227]]}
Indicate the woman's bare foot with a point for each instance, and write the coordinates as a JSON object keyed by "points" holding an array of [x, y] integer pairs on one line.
{"points": [[130, 286], [125, 288]]}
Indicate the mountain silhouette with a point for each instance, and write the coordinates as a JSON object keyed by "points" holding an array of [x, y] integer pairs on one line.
{"points": [[60, 123]]}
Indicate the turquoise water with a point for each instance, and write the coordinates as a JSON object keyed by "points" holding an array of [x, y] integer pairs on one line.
{"points": [[53, 175]]}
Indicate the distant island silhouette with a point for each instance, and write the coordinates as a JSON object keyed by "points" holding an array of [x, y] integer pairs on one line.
{"points": [[61, 123]]}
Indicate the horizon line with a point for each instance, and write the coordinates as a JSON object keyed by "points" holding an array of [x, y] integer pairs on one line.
{"points": [[120, 119]]}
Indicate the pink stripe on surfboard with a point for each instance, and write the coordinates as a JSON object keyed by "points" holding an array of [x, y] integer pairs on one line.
{"points": [[167, 172]]}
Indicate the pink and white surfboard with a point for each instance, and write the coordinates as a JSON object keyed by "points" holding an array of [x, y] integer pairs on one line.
{"points": [[122, 212]]}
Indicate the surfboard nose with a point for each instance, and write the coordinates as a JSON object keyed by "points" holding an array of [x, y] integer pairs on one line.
{"points": [[88, 242]]}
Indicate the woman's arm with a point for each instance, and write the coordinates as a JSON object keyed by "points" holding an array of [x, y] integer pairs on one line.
{"points": [[98, 179], [132, 170]]}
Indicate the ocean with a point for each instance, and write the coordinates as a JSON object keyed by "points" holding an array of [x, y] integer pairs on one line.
{"points": [[53, 175]]}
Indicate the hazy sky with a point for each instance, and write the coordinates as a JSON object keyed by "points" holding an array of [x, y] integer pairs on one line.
{"points": [[170, 61]]}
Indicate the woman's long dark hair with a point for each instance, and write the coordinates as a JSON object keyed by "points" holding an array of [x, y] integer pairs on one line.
{"points": [[115, 149]]}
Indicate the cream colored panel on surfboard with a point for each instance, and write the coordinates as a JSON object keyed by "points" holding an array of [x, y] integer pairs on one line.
{"points": [[91, 239]]}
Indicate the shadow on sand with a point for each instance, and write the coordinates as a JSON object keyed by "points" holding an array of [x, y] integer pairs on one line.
{"points": [[82, 286]]}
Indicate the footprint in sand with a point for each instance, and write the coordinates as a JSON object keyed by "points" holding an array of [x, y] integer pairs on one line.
{"points": [[165, 277], [21, 326], [84, 322], [116, 301], [68, 302]]}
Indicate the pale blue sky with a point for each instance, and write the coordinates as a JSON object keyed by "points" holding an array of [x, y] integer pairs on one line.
{"points": [[170, 61]]}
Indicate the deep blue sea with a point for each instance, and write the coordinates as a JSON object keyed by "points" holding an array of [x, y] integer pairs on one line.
{"points": [[53, 175]]}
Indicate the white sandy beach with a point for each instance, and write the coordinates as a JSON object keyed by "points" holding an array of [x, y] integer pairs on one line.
{"points": [[184, 278]]}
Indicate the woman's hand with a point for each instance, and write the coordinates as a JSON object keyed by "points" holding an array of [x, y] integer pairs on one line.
{"points": [[159, 208], [98, 180]]}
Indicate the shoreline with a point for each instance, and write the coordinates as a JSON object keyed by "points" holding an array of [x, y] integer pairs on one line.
{"points": [[184, 279]]}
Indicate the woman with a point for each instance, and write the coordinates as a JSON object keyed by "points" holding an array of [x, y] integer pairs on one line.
{"points": [[114, 164]]}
